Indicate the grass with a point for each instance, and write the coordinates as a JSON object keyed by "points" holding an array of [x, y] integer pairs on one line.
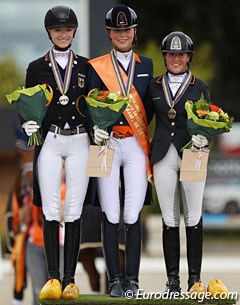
{"points": [[102, 299]]}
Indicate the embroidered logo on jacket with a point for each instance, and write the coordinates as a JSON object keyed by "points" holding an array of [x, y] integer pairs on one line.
{"points": [[81, 80]]}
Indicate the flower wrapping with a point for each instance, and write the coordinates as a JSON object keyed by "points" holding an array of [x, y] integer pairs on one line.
{"points": [[105, 108], [206, 119], [31, 104], [208, 124]]}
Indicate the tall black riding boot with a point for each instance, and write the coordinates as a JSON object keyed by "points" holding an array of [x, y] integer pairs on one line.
{"points": [[51, 246], [171, 250], [133, 255], [52, 288], [71, 250], [111, 255], [194, 252]]}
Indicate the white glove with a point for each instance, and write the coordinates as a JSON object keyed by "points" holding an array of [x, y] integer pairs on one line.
{"points": [[30, 127], [199, 141], [100, 135]]}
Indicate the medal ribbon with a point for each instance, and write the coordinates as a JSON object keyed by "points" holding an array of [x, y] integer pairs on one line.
{"points": [[172, 102], [62, 85], [125, 89]]}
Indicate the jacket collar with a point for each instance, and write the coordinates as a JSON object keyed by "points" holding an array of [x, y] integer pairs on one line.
{"points": [[46, 57], [192, 82]]}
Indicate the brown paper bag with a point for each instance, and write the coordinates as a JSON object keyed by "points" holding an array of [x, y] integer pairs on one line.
{"points": [[99, 161], [194, 165]]}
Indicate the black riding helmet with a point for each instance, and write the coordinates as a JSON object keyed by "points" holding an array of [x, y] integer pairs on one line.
{"points": [[59, 16], [177, 42], [120, 17]]}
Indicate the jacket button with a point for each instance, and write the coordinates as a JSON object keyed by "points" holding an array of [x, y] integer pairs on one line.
{"points": [[172, 134], [59, 117], [73, 117], [173, 124], [73, 103]]}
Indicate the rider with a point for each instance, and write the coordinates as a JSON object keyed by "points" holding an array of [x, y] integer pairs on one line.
{"points": [[169, 93], [122, 67], [65, 139]]}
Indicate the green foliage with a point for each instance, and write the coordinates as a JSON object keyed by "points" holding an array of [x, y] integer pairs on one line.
{"points": [[202, 65], [201, 104], [10, 78], [153, 50]]}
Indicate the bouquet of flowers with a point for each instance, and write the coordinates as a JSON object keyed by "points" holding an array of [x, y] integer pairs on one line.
{"points": [[104, 107], [206, 119], [31, 104]]}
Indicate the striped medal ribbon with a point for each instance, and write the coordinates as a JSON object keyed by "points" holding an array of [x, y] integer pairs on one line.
{"points": [[166, 89], [125, 89], [63, 85]]}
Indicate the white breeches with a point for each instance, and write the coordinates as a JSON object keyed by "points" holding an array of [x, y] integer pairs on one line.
{"points": [[128, 154], [73, 150], [166, 178]]}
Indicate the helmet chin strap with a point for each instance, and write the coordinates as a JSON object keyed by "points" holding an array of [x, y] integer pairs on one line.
{"points": [[120, 51], [62, 49], [181, 73]]}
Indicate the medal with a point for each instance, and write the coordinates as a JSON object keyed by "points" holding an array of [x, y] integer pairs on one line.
{"points": [[168, 97], [63, 99], [172, 113], [63, 85]]}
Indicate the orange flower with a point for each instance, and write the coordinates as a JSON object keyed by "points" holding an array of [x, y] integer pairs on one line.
{"points": [[201, 113], [105, 92], [103, 95]]}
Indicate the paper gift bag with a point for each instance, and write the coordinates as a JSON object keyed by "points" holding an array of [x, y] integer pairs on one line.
{"points": [[99, 161], [194, 165]]}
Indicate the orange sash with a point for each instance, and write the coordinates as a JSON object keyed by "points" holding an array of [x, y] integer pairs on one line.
{"points": [[134, 113]]}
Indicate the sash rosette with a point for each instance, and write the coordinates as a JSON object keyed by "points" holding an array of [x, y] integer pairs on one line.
{"points": [[105, 108], [31, 104], [206, 119]]}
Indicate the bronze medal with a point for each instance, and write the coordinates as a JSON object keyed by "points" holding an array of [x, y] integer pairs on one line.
{"points": [[172, 113]]}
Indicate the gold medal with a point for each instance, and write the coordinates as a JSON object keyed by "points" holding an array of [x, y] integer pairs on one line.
{"points": [[172, 113]]}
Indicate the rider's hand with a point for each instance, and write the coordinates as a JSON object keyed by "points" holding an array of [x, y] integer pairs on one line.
{"points": [[30, 127], [100, 135], [199, 141]]}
